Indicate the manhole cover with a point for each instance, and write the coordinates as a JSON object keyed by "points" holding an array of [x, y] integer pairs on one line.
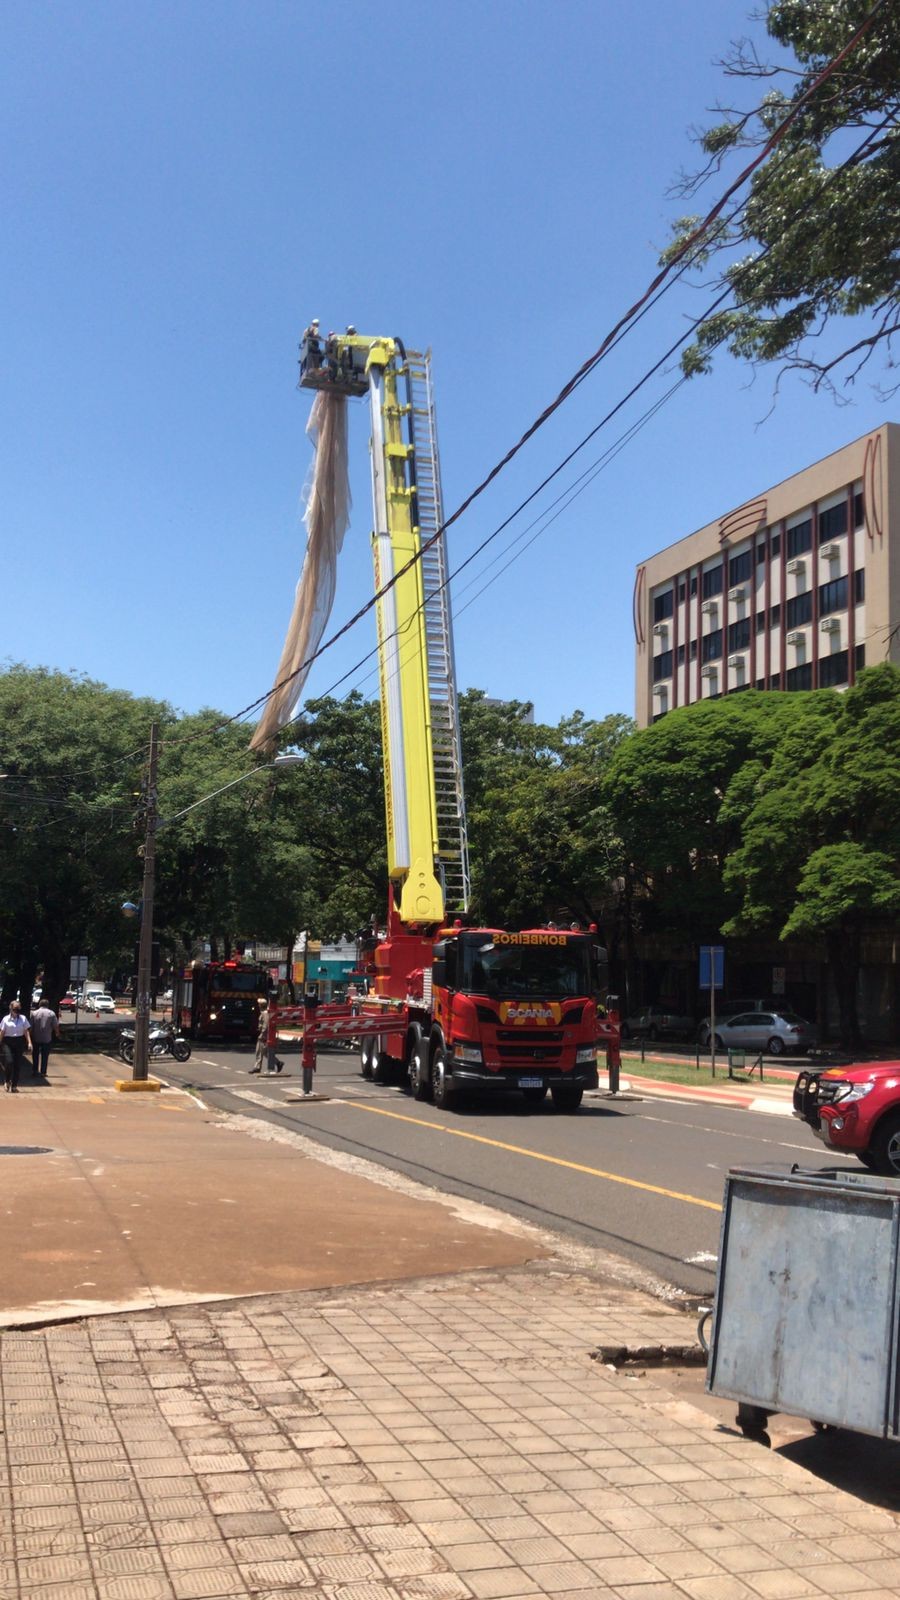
{"points": [[25, 1150]]}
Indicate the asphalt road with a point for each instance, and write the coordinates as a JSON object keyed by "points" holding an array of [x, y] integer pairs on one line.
{"points": [[640, 1178]]}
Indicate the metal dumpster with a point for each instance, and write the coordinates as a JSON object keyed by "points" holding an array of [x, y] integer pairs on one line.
{"points": [[806, 1309]]}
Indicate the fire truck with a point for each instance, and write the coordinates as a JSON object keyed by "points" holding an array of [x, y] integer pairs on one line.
{"points": [[220, 999], [452, 1007]]}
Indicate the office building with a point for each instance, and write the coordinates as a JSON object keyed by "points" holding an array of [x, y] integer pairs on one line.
{"points": [[798, 588]]}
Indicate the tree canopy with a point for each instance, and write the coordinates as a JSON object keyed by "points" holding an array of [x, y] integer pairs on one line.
{"points": [[812, 256]]}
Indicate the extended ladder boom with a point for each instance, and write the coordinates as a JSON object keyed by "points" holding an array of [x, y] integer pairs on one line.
{"points": [[424, 800]]}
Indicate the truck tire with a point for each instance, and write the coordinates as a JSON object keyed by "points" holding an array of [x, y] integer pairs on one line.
{"points": [[442, 1091], [566, 1099], [383, 1067], [367, 1053], [884, 1151], [419, 1080]]}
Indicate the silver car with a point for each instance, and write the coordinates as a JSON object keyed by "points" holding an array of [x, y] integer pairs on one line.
{"points": [[771, 1033]]}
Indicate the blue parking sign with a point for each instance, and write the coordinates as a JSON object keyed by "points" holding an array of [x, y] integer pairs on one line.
{"points": [[712, 966]]}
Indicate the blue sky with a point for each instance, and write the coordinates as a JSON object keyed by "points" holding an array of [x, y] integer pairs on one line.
{"points": [[189, 183]]}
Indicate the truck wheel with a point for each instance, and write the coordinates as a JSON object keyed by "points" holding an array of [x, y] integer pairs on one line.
{"points": [[382, 1067], [567, 1099], [884, 1151], [442, 1092], [419, 1084], [367, 1054]]}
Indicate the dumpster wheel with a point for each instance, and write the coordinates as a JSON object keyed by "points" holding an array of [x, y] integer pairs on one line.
{"points": [[752, 1422]]}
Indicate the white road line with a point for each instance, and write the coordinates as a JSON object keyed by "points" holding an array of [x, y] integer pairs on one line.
{"points": [[732, 1133], [216, 1064]]}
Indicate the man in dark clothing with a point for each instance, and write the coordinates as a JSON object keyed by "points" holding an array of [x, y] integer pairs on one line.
{"points": [[44, 1029]]}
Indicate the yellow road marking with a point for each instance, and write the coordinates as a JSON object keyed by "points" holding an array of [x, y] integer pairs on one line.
{"points": [[537, 1155]]}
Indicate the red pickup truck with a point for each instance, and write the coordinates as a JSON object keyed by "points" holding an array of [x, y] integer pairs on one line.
{"points": [[855, 1109]]}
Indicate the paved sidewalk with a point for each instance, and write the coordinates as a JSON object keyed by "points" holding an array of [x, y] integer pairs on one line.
{"points": [[775, 1098], [446, 1438]]}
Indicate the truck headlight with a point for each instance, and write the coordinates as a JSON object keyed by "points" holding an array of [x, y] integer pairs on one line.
{"points": [[585, 1055], [852, 1091], [468, 1052]]}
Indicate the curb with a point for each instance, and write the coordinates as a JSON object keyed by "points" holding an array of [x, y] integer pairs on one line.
{"points": [[660, 1088], [650, 1355]]}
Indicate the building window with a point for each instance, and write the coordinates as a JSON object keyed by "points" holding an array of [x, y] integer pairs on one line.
{"points": [[775, 681], [859, 510], [694, 584], [859, 585], [774, 616], [712, 582], [760, 554], [799, 538], [739, 635], [833, 670], [662, 666], [833, 522], [681, 655], [712, 645], [760, 683], [799, 610], [760, 622], [693, 649], [681, 594], [799, 677], [776, 545], [859, 657], [663, 606], [659, 715], [740, 568], [832, 596]]}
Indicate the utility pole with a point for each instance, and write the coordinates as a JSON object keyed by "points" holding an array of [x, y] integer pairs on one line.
{"points": [[140, 1070]]}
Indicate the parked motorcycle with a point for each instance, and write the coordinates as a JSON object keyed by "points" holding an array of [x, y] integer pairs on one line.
{"points": [[165, 1040]]}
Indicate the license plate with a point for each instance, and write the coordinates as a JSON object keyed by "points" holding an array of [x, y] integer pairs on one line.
{"points": [[531, 1083]]}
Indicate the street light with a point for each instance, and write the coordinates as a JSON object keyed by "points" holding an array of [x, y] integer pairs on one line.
{"points": [[140, 1070]]}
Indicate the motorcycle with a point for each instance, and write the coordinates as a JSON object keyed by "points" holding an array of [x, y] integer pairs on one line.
{"points": [[165, 1040]]}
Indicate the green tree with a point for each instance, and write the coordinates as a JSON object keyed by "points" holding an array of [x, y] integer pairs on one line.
{"points": [[819, 856], [71, 753], [678, 792], [541, 838], [818, 240]]}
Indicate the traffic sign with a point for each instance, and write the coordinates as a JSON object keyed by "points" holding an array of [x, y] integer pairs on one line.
{"points": [[78, 968], [712, 966]]}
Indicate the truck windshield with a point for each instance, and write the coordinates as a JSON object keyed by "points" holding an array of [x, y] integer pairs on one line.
{"points": [[506, 970], [238, 983]]}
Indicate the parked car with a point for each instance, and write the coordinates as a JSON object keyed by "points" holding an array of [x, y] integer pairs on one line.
{"points": [[99, 1002], [726, 1009], [855, 1109], [770, 1033], [657, 1022], [68, 1002]]}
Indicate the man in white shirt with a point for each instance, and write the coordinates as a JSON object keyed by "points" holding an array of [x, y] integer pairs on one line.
{"points": [[15, 1039]]}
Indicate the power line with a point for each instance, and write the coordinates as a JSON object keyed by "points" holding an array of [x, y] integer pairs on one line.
{"points": [[698, 234]]}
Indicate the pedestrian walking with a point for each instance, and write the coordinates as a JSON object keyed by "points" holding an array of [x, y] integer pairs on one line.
{"points": [[15, 1039], [44, 1029], [262, 1046]]}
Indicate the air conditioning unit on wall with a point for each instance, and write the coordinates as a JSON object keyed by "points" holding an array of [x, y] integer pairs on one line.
{"points": [[735, 661], [738, 593], [709, 672], [829, 552], [796, 567], [660, 629], [710, 608], [830, 625], [659, 691], [796, 638]]}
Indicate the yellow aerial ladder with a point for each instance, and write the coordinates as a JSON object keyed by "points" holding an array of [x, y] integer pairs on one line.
{"points": [[426, 824]]}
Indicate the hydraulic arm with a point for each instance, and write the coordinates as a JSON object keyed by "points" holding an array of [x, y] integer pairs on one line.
{"points": [[416, 772]]}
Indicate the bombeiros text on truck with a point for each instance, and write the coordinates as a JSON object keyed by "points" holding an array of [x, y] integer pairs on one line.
{"points": [[452, 1006]]}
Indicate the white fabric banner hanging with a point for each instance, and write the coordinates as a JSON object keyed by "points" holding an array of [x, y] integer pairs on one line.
{"points": [[327, 517]]}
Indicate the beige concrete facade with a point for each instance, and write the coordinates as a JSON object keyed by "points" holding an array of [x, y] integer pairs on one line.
{"points": [[796, 589]]}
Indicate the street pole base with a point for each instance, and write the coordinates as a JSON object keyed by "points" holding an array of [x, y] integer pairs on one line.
{"points": [[135, 1085]]}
